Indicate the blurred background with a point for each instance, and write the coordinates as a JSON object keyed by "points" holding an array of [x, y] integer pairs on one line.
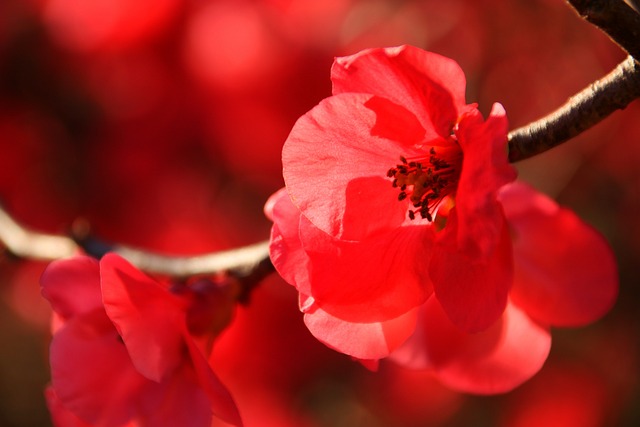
{"points": [[160, 122]]}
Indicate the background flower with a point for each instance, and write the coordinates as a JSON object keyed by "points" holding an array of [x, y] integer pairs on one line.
{"points": [[121, 351]]}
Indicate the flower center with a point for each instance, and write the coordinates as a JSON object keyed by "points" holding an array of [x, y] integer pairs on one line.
{"points": [[426, 181]]}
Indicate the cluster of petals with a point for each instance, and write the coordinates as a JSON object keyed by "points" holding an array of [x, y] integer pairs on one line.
{"points": [[123, 353], [463, 273]]}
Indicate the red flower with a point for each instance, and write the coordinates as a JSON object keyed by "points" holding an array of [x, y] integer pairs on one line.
{"points": [[397, 210], [122, 350]]}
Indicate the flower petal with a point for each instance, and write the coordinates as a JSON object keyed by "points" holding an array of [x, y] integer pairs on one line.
{"points": [[221, 402], [374, 280], [91, 371], [485, 170], [369, 341], [427, 84], [177, 401], [285, 249], [335, 165], [565, 272], [493, 361], [149, 319], [472, 290], [72, 286]]}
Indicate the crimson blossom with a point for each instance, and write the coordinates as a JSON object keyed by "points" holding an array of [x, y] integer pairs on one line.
{"points": [[126, 351], [406, 236]]}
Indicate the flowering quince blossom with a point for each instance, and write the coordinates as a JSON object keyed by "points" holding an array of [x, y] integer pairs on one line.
{"points": [[406, 236], [124, 350]]}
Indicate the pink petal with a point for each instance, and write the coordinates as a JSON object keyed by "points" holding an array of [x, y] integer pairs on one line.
{"points": [[91, 371], [493, 361], [472, 290], [427, 84], [285, 248], [72, 286], [373, 280], [177, 401], [565, 272], [485, 170], [221, 403], [335, 167], [149, 319], [369, 341], [61, 416]]}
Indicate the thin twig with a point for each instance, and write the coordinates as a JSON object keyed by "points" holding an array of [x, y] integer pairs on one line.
{"points": [[616, 18], [590, 106], [249, 264], [25, 243], [241, 261]]}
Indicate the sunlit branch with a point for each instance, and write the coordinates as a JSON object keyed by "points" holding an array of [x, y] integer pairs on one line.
{"points": [[25, 243], [241, 261], [248, 264], [613, 92], [616, 18]]}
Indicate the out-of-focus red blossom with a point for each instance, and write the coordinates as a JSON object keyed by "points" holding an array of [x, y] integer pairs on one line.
{"points": [[111, 25], [576, 396], [29, 183], [123, 352], [404, 234], [407, 398]]}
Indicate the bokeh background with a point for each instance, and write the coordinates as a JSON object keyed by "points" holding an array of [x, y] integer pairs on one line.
{"points": [[160, 123]]}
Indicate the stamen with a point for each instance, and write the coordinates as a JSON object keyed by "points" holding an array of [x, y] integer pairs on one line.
{"points": [[425, 182]]}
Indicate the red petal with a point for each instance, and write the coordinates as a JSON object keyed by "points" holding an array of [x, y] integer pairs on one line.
{"points": [[285, 248], [493, 361], [485, 169], [335, 168], [565, 272], [149, 319], [221, 402], [61, 416], [91, 371], [72, 286], [377, 279], [369, 341], [177, 401], [427, 84], [472, 290]]}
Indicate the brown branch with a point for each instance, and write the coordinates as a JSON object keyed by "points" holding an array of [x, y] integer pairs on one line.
{"points": [[239, 262], [613, 92], [590, 106], [248, 264], [616, 18], [24, 243]]}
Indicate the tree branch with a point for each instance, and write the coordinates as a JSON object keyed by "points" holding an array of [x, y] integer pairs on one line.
{"points": [[248, 264], [616, 18], [24, 243], [590, 106]]}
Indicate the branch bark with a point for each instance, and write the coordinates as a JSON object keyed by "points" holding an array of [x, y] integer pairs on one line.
{"points": [[615, 18], [613, 92], [248, 264]]}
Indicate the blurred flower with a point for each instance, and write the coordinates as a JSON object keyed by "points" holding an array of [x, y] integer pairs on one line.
{"points": [[122, 349], [106, 25], [380, 249]]}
